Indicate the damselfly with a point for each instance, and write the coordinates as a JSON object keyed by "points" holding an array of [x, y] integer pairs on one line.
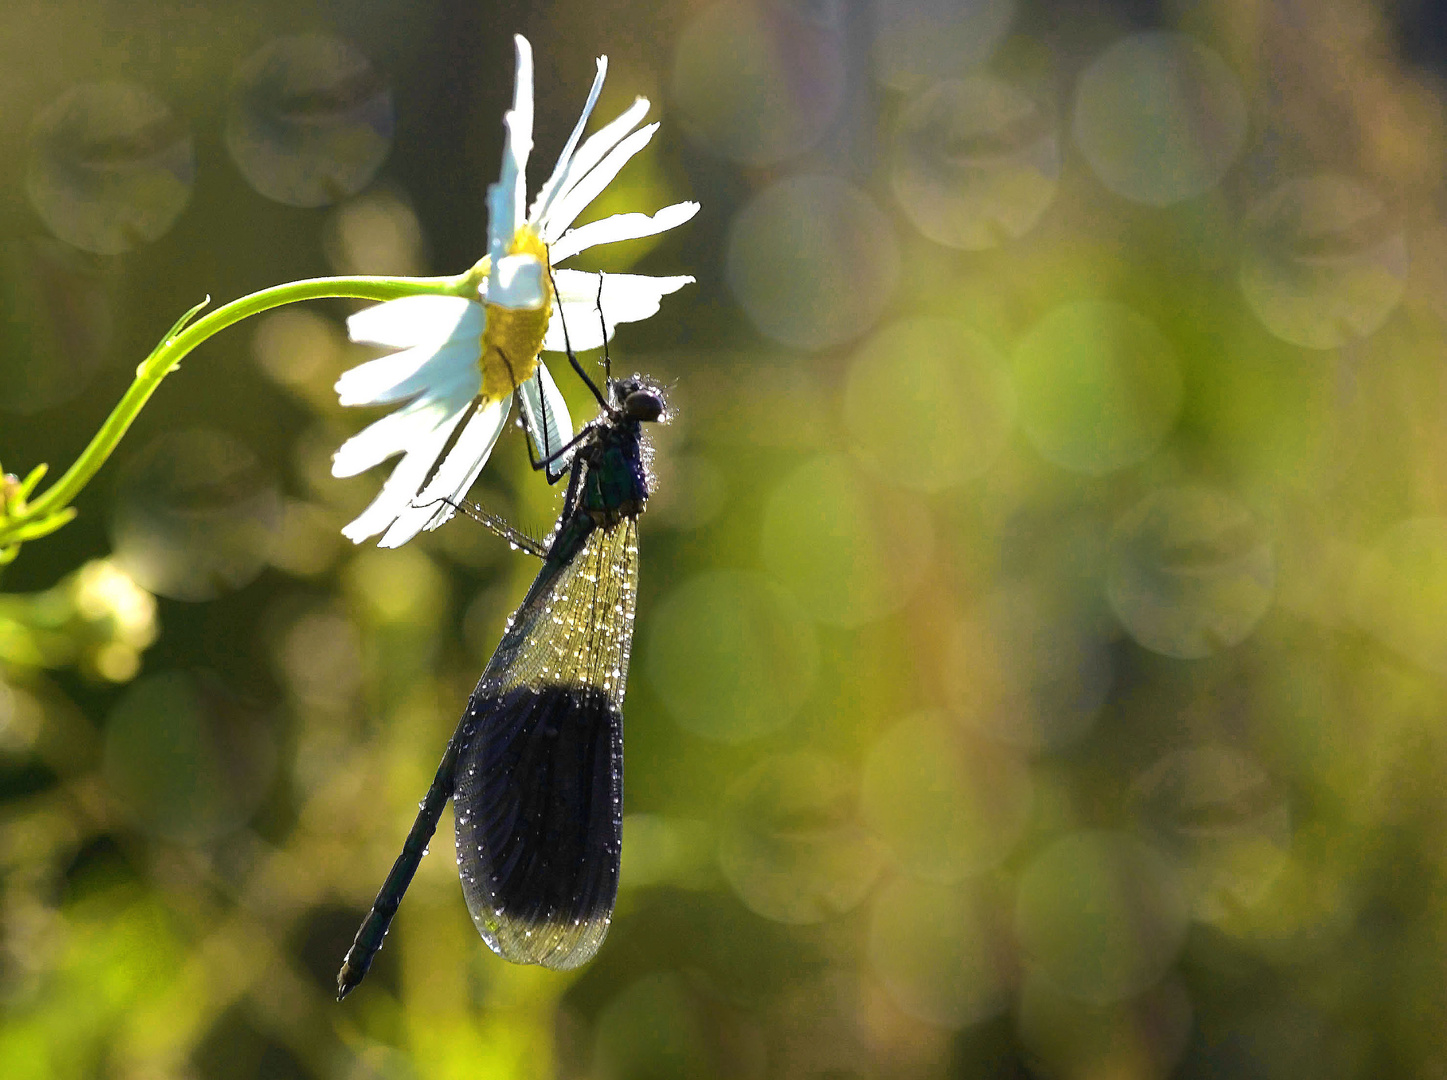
{"points": [[535, 768]]}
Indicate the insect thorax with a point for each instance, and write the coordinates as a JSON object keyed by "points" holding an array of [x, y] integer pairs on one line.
{"points": [[616, 483]]}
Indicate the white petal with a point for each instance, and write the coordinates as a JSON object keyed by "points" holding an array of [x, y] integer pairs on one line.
{"points": [[516, 281], [546, 403], [593, 150], [566, 208], [545, 193], [522, 99], [405, 374], [610, 230], [453, 478], [403, 429], [499, 213], [621, 294], [626, 298], [507, 198], [519, 122], [401, 487], [416, 320]]}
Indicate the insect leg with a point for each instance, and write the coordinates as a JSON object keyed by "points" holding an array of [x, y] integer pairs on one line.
{"points": [[598, 303], [568, 346], [497, 525], [540, 438]]}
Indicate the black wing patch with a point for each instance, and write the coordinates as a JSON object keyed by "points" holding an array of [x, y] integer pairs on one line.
{"points": [[540, 824]]}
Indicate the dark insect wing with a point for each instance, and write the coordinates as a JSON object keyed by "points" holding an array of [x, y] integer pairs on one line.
{"points": [[539, 788], [536, 764]]}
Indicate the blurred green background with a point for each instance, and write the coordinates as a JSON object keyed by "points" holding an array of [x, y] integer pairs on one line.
{"points": [[1040, 654]]}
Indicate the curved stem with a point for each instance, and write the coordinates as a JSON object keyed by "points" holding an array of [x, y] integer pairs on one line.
{"points": [[173, 349]]}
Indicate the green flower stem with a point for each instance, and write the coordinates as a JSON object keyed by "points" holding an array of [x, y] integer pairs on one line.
{"points": [[178, 343]]}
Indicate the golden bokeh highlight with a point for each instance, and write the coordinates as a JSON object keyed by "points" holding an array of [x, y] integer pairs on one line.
{"points": [[947, 805], [928, 403], [813, 261], [1100, 386], [976, 162], [1192, 572], [1160, 117], [731, 655], [792, 845], [825, 539]]}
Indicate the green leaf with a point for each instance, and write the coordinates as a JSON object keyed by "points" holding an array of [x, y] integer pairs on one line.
{"points": [[28, 484], [34, 530], [186, 318], [144, 367]]}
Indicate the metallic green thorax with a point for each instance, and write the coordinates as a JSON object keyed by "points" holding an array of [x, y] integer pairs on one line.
{"points": [[608, 483], [616, 486]]}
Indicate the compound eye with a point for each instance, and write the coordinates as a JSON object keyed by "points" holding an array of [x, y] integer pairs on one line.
{"points": [[643, 405]]}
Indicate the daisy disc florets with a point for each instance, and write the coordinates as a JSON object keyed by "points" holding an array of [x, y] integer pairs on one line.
{"points": [[460, 359]]}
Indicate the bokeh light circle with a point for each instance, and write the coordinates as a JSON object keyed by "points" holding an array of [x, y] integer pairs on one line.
{"points": [[1029, 666], [1324, 262], [188, 763], [928, 403], [404, 590], [56, 323], [111, 167], [757, 82], [692, 490], [22, 718], [917, 42], [1216, 811], [1191, 572], [1101, 914], [652, 1028], [195, 515], [813, 262], [941, 951], [319, 657], [1401, 593], [731, 655], [976, 163], [375, 233], [946, 804], [300, 349], [849, 552], [310, 120], [791, 844], [1159, 117], [1099, 386]]}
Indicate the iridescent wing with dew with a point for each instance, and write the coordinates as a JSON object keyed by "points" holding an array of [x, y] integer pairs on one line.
{"points": [[539, 786], [536, 769]]}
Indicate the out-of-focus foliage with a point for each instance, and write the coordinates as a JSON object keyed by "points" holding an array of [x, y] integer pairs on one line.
{"points": [[1041, 663], [97, 618]]}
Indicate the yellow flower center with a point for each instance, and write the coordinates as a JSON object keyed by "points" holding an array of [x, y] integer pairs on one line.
{"points": [[513, 337]]}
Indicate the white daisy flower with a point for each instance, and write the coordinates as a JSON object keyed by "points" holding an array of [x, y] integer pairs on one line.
{"points": [[461, 359]]}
